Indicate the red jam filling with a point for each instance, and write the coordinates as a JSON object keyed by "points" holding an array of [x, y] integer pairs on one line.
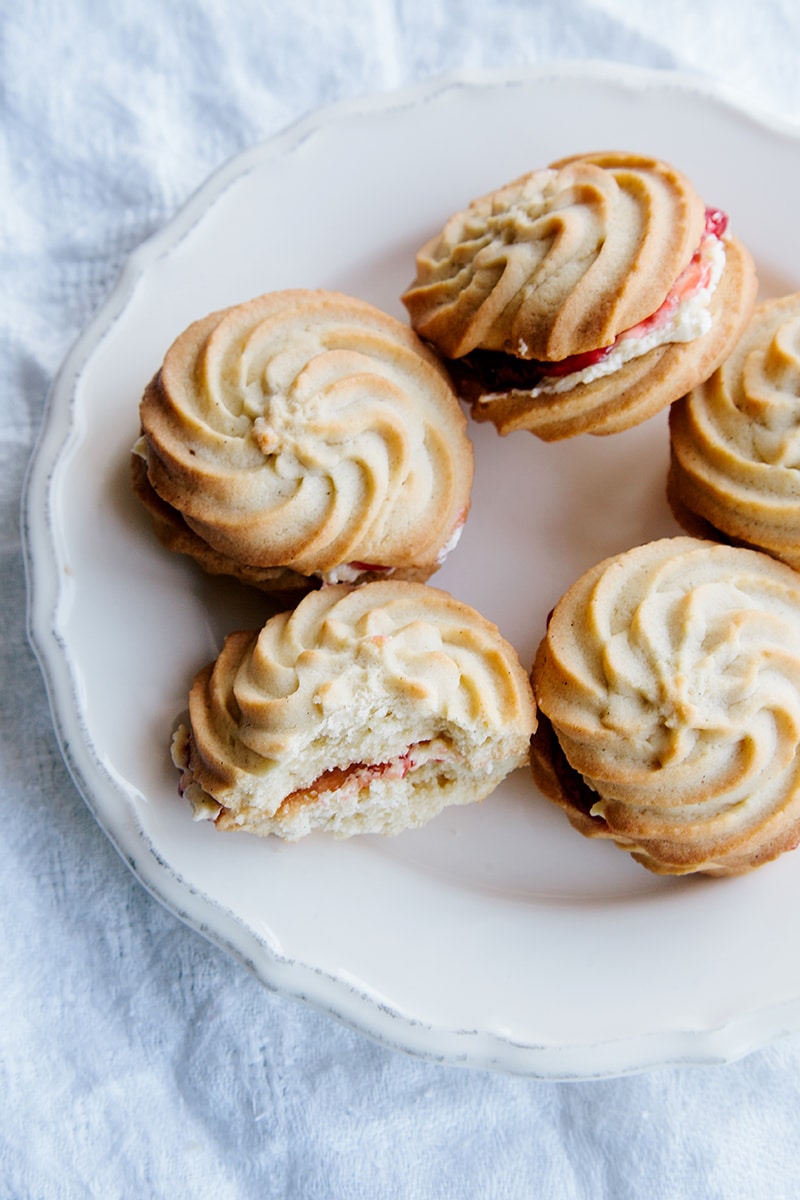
{"points": [[716, 222], [359, 774]]}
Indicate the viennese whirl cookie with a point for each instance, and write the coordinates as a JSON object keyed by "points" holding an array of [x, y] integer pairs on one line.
{"points": [[584, 297], [367, 709], [304, 436], [668, 687], [735, 470]]}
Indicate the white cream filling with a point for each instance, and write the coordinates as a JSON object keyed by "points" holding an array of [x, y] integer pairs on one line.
{"points": [[690, 319], [451, 545], [347, 573], [437, 750]]}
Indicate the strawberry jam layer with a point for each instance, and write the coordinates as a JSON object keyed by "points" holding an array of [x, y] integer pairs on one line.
{"points": [[487, 371], [358, 776]]}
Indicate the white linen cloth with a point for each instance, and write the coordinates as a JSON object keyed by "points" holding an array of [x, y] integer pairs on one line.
{"points": [[136, 1059]]}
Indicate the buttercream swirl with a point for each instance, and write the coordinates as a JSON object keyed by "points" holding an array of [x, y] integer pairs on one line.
{"points": [[357, 675], [671, 678], [558, 262], [736, 438], [308, 430]]}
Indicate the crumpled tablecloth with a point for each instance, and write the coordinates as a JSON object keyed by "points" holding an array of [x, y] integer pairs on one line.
{"points": [[136, 1059]]}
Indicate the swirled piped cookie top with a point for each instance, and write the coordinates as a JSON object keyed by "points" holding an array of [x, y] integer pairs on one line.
{"points": [[669, 683], [366, 709], [566, 288], [736, 438], [306, 432], [521, 270]]}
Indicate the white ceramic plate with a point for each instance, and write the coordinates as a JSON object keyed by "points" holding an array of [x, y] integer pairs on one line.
{"points": [[496, 936]]}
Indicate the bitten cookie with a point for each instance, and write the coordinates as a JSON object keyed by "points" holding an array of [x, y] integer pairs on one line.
{"points": [[304, 436], [668, 687], [584, 297], [365, 710], [735, 463]]}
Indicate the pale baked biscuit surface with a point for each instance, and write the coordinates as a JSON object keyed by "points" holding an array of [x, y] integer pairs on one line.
{"points": [[522, 269], [304, 434], [736, 439], [668, 687], [365, 710], [558, 264]]}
